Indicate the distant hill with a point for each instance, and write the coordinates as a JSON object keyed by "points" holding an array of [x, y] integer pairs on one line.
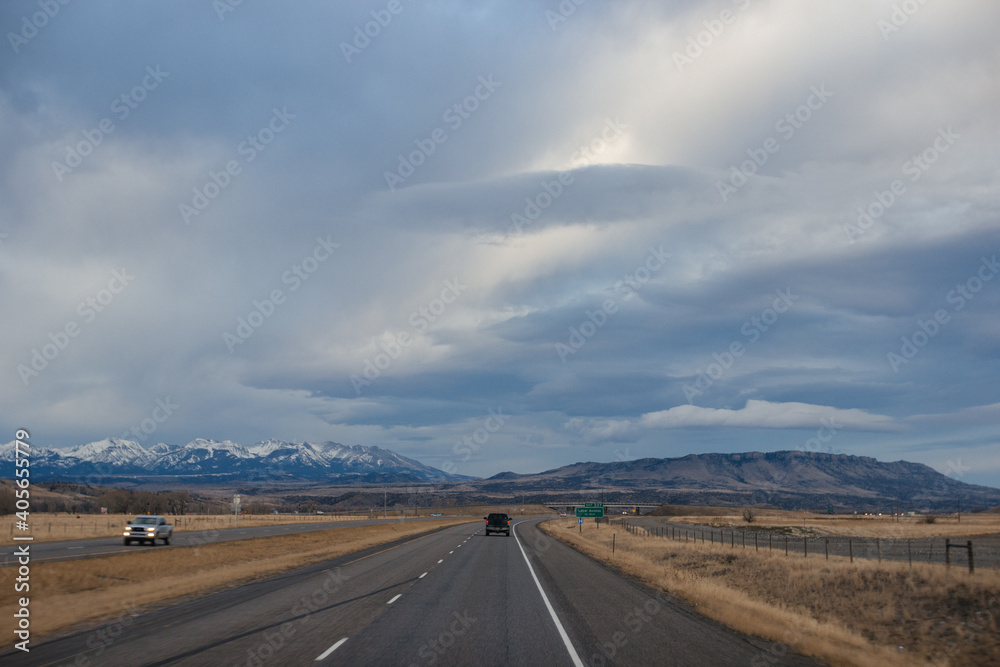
{"points": [[210, 461], [785, 480]]}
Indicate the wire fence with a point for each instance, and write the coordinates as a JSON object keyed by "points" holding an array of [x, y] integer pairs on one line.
{"points": [[982, 551]]}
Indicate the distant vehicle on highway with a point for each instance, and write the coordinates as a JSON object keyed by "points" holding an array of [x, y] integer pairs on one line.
{"points": [[562, 513], [435, 513], [148, 529], [497, 522]]}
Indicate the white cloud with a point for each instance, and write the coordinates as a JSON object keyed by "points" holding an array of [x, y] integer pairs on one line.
{"points": [[765, 414]]}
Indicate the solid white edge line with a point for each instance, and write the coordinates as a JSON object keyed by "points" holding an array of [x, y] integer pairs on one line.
{"points": [[422, 576], [548, 605], [398, 595], [330, 650]]}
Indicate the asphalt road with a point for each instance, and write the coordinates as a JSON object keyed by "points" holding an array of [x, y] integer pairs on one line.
{"points": [[454, 597], [105, 546]]}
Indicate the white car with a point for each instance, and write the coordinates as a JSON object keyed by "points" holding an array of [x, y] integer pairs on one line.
{"points": [[148, 529]]}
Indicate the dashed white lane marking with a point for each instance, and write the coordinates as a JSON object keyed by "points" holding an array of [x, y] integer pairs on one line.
{"points": [[440, 561], [422, 576], [398, 595], [451, 552], [327, 652]]}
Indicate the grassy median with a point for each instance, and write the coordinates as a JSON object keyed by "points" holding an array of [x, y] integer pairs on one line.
{"points": [[68, 592], [863, 613]]}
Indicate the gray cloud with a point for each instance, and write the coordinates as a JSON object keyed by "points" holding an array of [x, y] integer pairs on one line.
{"points": [[594, 138]]}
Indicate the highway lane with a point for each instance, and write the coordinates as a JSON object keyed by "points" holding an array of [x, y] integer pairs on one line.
{"points": [[104, 546], [455, 597]]}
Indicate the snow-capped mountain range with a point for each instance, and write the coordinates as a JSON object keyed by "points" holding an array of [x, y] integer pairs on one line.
{"points": [[274, 459]]}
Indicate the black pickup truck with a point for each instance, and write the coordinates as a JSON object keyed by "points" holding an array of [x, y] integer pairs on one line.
{"points": [[497, 522]]}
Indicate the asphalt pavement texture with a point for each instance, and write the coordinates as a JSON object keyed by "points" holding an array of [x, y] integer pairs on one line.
{"points": [[451, 597]]}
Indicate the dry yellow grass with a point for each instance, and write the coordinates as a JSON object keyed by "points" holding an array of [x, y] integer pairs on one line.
{"points": [[68, 592], [855, 526], [843, 613], [46, 527]]}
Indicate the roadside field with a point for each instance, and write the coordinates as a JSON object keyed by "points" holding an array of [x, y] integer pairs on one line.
{"points": [[69, 592], [848, 525], [864, 613], [46, 527]]}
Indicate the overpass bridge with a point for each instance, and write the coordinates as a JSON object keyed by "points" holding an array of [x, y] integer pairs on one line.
{"points": [[610, 509]]}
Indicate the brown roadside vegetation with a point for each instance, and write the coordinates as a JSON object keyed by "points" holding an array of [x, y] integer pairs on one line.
{"points": [[861, 525], [69, 592], [845, 614]]}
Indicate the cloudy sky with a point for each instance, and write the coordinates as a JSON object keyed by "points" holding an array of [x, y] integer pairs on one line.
{"points": [[505, 236]]}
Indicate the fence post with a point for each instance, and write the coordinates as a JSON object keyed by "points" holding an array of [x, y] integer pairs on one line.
{"points": [[805, 548], [612, 542], [744, 539], [786, 545], [947, 553], [755, 547], [972, 568], [826, 548], [850, 547]]}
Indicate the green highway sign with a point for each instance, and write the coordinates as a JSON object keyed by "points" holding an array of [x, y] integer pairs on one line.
{"points": [[593, 504], [594, 512]]}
